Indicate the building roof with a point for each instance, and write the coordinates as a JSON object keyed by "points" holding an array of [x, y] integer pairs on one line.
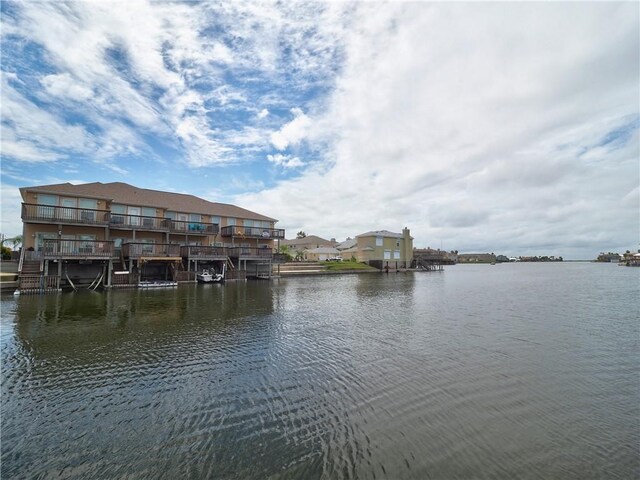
{"points": [[124, 193], [352, 242], [308, 241], [380, 233]]}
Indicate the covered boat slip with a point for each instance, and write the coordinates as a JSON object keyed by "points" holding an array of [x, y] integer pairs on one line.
{"points": [[92, 264]]}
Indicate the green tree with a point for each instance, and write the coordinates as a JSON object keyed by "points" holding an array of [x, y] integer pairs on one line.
{"points": [[17, 241], [301, 234]]}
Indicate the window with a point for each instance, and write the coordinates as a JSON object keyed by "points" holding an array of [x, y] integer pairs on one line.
{"points": [[117, 214], [215, 219], [195, 225], [149, 217], [88, 215], [134, 215], [49, 210], [387, 254], [147, 246], [170, 215], [379, 241], [398, 243], [86, 243], [248, 223], [396, 255], [68, 210], [68, 245], [40, 240], [231, 221]]}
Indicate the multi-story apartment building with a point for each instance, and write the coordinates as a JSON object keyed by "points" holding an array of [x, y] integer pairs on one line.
{"points": [[79, 230]]}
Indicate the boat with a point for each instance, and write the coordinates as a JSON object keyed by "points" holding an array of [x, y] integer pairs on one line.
{"points": [[210, 276]]}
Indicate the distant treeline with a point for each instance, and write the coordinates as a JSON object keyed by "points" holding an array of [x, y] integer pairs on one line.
{"points": [[544, 258]]}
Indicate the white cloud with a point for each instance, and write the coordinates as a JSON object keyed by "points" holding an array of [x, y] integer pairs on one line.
{"points": [[10, 223], [466, 123], [292, 132], [31, 134], [63, 85], [478, 124], [285, 161]]}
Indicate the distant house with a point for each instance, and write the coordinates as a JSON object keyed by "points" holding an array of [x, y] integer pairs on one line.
{"points": [[321, 254], [307, 243], [476, 258], [347, 244], [433, 256], [382, 248]]}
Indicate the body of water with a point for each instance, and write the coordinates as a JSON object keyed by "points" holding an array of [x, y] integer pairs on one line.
{"points": [[525, 371]]}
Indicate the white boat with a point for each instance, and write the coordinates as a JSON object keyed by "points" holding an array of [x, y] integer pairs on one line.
{"points": [[209, 276]]}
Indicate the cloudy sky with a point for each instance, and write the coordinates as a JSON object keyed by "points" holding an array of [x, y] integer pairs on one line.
{"points": [[509, 128]]}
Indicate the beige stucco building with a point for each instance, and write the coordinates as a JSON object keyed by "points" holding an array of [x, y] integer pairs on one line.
{"points": [[120, 226], [382, 248]]}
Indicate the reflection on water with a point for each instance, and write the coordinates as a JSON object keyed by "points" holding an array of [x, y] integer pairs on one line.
{"points": [[511, 371]]}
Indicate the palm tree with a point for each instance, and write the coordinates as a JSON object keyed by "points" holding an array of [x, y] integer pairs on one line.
{"points": [[17, 240]]}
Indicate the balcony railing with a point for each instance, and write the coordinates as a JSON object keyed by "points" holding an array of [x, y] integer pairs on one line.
{"points": [[138, 222], [137, 250], [197, 228], [202, 251], [45, 213], [250, 252], [252, 232], [55, 248]]}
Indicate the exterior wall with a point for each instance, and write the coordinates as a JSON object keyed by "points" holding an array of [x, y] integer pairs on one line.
{"points": [[30, 230], [32, 197], [140, 233], [157, 237], [403, 245]]}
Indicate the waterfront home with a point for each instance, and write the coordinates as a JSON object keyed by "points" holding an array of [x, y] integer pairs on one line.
{"points": [[429, 256], [382, 249], [123, 233], [307, 243], [321, 254], [476, 258]]}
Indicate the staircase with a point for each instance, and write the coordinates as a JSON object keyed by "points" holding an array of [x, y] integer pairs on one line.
{"points": [[31, 267], [31, 278]]}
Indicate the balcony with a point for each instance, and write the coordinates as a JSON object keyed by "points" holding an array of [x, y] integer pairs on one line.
{"points": [[252, 232], [142, 250], [137, 222], [250, 253], [201, 252], [193, 228], [77, 249], [32, 212]]}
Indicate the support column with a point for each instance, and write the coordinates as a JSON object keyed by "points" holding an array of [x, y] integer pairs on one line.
{"points": [[109, 272]]}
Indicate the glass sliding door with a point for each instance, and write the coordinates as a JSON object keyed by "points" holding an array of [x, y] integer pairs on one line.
{"points": [[46, 206], [68, 210], [88, 215]]}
